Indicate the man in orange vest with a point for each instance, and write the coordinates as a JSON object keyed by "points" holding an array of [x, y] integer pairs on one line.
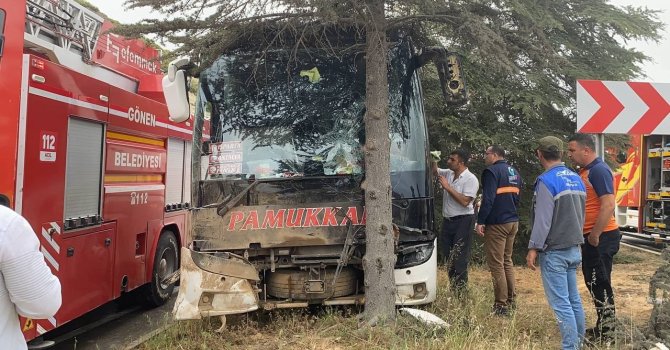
{"points": [[601, 232]]}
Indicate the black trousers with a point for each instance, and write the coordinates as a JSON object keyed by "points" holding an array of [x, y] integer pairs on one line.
{"points": [[455, 243], [597, 269]]}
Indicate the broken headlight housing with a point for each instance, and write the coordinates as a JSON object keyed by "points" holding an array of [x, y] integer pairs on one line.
{"points": [[414, 255]]}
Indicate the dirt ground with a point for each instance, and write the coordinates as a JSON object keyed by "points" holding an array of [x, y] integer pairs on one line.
{"points": [[630, 278]]}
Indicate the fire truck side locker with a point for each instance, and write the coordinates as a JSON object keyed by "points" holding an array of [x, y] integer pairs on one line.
{"points": [[656, 187]]}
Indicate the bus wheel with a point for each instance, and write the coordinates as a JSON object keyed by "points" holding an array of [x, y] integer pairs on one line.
{"points": [[166, 262]]}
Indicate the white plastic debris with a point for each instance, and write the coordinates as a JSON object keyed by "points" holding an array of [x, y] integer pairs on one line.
{"points": [[425, 317], [660, 346]]}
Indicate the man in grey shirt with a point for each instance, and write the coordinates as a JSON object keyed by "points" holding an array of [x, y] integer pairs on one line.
{"points": [[460, 187], [557, 220]]}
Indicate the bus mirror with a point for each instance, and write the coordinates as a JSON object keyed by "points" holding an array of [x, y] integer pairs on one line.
{"points": [[176, 92], [455, 83], [449, 70]]}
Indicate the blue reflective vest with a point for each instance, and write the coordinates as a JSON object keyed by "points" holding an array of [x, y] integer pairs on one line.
{"points": [[501, 184]]}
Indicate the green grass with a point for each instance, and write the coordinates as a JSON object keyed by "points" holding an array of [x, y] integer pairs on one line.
{"points": [[629, 257], [472, 326]]}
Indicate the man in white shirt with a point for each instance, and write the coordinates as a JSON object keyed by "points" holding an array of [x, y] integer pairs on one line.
{"points": [[460, 187], [27, 286]]}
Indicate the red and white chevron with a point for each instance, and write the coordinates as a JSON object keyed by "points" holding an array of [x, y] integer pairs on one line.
{"points": [[620, 107], [50, 236], [50, 247]]}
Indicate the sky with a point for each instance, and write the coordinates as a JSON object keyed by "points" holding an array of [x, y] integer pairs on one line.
{"points": [[657, 70]]}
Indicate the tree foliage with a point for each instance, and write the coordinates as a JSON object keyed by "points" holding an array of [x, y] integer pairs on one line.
{"points": [[522, 60]]}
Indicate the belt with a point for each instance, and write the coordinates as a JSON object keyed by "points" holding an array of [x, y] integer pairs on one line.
{"points": [[458, 217]]}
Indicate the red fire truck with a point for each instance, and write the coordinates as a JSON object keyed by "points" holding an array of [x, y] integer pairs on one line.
{"points": [[89, 155], [628, 183], [641, 197]]}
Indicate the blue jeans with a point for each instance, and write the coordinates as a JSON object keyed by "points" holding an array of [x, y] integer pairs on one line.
{"points": [[559, 277]]}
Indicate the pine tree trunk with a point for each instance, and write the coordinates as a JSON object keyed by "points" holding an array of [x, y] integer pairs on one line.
{"points": [[379, 258]]}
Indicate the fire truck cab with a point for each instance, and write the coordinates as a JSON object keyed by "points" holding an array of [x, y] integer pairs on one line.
{"points": [[89, 155]]}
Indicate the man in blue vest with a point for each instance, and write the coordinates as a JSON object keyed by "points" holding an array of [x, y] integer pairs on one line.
{"points": [[498, 223], [557, 220]]}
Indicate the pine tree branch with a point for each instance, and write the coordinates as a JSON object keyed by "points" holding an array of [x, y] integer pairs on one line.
{"points": [[399, 21], [274, 16]]}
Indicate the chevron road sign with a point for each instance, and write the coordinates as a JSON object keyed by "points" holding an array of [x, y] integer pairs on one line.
{"points": [[619, 107]]}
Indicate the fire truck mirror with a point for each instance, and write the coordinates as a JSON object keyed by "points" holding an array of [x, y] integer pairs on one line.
{"points": [[175, 89], [176, 97]]}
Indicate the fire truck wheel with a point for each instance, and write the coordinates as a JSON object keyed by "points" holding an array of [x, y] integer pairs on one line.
{"points": [[166, 262]]}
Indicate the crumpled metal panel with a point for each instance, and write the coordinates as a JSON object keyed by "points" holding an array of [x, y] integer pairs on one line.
{"points": [[226, 264], [205, 294]]}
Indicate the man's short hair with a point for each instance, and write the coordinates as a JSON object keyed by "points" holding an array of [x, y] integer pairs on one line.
{"points": [[463, 155], [584, 140], [551, 155], [498, 151]]}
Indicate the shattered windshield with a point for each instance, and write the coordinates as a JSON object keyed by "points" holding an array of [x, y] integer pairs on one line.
{"points": [[285, 114]]}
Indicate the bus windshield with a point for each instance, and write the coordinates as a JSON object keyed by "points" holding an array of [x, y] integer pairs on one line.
{"points": [[289, 113]]}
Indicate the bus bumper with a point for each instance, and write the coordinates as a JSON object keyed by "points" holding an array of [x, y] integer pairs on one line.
{"points": [[202, 293], [417, 285]]}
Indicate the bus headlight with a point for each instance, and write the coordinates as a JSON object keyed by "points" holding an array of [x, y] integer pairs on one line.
{"points": [[414, 255]]}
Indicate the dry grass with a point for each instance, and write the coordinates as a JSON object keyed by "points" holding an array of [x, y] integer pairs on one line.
{"points": [[532, 326]]}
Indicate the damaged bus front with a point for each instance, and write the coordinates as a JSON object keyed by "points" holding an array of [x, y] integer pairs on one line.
{"points": [[278, 216]]}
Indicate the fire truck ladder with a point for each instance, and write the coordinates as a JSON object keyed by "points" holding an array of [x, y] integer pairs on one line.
{"points": [[64, 24]]}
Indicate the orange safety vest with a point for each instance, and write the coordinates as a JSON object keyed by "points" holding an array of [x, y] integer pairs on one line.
{"points": [[593, 206]]}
